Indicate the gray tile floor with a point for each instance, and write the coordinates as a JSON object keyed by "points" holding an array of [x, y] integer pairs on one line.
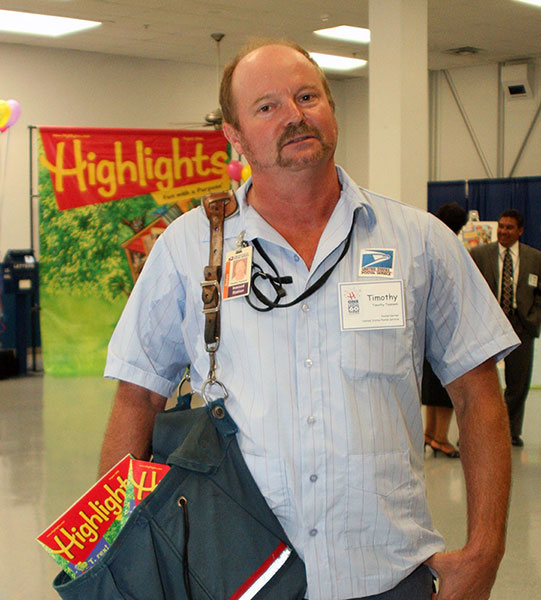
{"points": [[50, 434]]}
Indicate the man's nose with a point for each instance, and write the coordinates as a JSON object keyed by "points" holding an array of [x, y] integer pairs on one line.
{"points": [[294, 113]]}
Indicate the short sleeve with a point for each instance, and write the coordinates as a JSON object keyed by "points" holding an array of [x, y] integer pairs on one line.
{"points": [[465, 325], [147, 346]]}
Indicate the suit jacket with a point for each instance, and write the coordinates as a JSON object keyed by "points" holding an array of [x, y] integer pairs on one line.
{"points": [[528, 294]]}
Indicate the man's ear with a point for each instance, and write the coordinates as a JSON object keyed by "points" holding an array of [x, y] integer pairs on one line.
{"points": [[232, 136]]}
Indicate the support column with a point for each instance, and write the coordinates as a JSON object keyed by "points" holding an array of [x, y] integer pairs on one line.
{"points": [[398, 100]]}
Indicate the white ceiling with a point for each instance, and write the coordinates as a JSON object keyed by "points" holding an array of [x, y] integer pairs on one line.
{"points": [[180, 30]]}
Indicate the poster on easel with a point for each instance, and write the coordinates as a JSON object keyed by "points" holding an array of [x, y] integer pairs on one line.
{"points": [[105, 196], [477, 233]]}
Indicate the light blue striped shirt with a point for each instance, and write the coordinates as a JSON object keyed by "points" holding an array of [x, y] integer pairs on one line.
{"points": [[330, 420]]}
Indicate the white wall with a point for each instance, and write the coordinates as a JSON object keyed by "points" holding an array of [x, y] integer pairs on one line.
{"points": [[73, 88], [478, 88], [456, 155], [354, 129]]}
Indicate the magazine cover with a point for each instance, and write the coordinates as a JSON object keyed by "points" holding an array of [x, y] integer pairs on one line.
{"points": [[143, 477], [84, 533]]}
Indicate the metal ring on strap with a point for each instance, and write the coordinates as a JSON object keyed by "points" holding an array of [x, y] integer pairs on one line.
{"points": [[208, 382]]}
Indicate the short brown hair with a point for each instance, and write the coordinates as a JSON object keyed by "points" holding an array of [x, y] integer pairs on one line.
{"points": [[513, 213], [226, 92]]}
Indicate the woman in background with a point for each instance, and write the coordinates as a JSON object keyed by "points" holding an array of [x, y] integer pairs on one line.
{"points": [[439, 408]]}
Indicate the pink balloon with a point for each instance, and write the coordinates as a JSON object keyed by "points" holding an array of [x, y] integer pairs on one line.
{"points": [[234, 170], [15, 112]]}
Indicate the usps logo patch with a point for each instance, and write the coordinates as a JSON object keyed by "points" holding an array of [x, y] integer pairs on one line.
{"points": [[377, 262]]}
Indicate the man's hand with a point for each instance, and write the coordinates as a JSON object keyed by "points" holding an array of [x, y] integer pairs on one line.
{"points": [[463, 575]]}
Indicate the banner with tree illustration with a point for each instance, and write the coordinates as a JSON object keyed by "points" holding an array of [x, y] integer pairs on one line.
{"points": [[105, 196]]}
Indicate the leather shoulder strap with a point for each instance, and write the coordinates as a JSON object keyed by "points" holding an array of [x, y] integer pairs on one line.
{"points": [[218, 207]]}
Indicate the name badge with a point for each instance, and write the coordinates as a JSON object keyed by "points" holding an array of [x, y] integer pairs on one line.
{"points": [[238, 270], [372, 305], [532, 280]]}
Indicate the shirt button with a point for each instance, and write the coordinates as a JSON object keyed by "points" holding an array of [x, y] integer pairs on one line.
{"points": [[305, 308], [311, 420], [297, 258], [308, 363], [313, 532], [313, 478]]}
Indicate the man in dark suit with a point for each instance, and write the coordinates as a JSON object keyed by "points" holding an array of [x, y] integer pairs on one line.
{"points": [[513, 272]]}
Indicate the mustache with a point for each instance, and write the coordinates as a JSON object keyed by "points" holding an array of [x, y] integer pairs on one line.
{"points": [[294, 131]]}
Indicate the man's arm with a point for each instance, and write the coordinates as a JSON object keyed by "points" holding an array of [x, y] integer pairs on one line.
{"points": [[129, 430], [469, 573]]}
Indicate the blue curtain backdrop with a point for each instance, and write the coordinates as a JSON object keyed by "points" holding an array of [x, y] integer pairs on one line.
{"points": [[490, 197], [443, 192]]}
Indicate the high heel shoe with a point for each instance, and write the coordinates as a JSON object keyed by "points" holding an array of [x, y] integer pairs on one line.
{"points": [[428, 440], [453, 453]]}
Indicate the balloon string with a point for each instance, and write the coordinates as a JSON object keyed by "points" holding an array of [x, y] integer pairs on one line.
{"points": [[3, 172]]}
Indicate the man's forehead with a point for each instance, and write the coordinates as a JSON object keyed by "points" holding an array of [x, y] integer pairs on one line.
{"points": [[508, 222], [279, 50], [268, 59]]}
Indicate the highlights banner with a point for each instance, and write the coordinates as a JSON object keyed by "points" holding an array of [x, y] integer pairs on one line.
{"points": [[122, 188], [91, 165]]}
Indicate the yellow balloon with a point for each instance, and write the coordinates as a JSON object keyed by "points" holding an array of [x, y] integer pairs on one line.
{"points": [[5, 112], [246, 172]]}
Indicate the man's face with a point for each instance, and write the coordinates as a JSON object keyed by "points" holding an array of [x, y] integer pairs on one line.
{"points": [[508, 231], [239, 269], [285, 119]]}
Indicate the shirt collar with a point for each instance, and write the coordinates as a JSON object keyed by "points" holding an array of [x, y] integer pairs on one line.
{"points": [[248, 219], [355, 196], [513, 249]]}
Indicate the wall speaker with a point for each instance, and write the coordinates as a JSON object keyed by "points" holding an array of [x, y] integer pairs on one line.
{"points": [[517, 80]]}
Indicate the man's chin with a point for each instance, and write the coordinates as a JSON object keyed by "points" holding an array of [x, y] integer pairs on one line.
{"points": [[302, 160]]}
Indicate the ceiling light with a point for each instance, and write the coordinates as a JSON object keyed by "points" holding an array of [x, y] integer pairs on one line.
{"points": [[464, 51], [337, 63], [47, 25], [532, 2], [346, 33]]}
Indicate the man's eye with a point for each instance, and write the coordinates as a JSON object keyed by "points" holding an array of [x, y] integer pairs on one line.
{"points": [[306, 97], [264, 108]]}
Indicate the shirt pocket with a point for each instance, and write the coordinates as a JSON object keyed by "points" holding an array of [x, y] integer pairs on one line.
{"points": [[378, 499], [377, 353], [270, 476]]}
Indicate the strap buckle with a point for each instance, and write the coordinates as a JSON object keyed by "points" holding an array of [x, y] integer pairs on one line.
{"points": [[227, 197], [212, 309]]}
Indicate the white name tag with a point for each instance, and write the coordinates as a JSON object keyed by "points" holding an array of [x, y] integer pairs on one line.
{"points": [[532, 280], [372, 305]]}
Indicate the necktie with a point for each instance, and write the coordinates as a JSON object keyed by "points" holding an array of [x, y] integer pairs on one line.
{"points": [[506, 297]]}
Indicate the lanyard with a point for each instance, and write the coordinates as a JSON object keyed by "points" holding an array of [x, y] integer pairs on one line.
{"points": [[277, 280]]}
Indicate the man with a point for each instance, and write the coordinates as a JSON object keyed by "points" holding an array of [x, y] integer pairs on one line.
{"points": [[325, 392], [521, 303]]}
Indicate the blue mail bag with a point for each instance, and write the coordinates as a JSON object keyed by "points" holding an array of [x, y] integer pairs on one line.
{"points": [[205, 533]]}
